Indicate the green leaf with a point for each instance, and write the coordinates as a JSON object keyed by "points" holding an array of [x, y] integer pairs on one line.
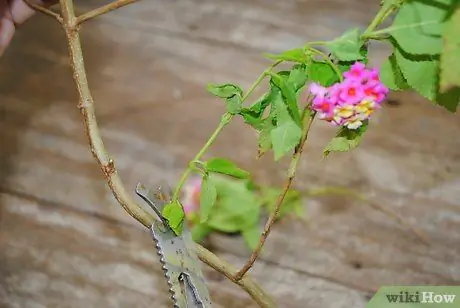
{"points": [[295, 55], [175, 215], [252, 236], [285, 137], [346, 65], [225, 90], [253, 115], [322, 73], [224, 166], [298, 77], [265, 140], [450, 63], [418, 26], [420, 72], [346, 140], [200, 231], [208, 197], [232, 95], [449, 99], [348, 46], [292, 202], [236, 208], [289, 94], [391, 75], [234, 104]]}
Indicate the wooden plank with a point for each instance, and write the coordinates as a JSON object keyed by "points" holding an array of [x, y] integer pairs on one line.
{"points": [[259, 25], [53, 257], [149, 77], [353, 244]]}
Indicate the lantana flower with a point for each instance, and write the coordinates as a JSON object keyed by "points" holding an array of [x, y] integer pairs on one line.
{"points": [[352, 101], [191, 197]]}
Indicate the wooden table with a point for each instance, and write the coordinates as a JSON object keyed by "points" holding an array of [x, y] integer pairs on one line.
{"points": [[64, 241]]}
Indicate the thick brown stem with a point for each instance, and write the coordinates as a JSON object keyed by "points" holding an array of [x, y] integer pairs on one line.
{"points": [[229, 271], [86, 105]]}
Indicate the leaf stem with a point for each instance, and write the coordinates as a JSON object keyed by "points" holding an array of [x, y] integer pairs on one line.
{"points": [[259, 80], [103, 10], [225, 120], [385, 11], [44, 10], [308, 120]]}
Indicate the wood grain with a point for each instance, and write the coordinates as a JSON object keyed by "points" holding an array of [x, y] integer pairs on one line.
{"points": [[64, 242]]}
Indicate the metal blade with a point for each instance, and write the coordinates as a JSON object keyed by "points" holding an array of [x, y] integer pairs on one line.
{"points": [[178, 258]]}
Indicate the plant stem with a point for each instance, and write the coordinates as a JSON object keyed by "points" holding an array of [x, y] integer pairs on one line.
{"points": [[225, 120], [385, 11], [44, 10], [86, 105], [103, 10], [229, 271], [308, 120]]}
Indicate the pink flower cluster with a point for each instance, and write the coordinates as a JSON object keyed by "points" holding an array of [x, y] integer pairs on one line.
{"points": [[351, 101]]}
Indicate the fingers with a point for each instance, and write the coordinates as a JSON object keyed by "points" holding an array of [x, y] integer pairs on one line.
{"points": [[6, 26], [12, 14], [20, 11], [6, 33]]}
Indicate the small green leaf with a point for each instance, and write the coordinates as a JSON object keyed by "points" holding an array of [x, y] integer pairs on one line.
{"points": [[391, 75], [208, 197], [285, 137], [252, 236], [175, 215], [292, 202], [346, 65], [237, 207], [225, 90], [298, 77], [322, 73], [346, 140], [418, 26], [420, 72], [234, 104], [295, 55], [289, 94], [253, 115], [348, 46], [232, 95], [265, 141], [224, 166]]}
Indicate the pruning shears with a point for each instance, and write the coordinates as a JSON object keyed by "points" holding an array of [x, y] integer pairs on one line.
{"points": [[177, 255]]}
